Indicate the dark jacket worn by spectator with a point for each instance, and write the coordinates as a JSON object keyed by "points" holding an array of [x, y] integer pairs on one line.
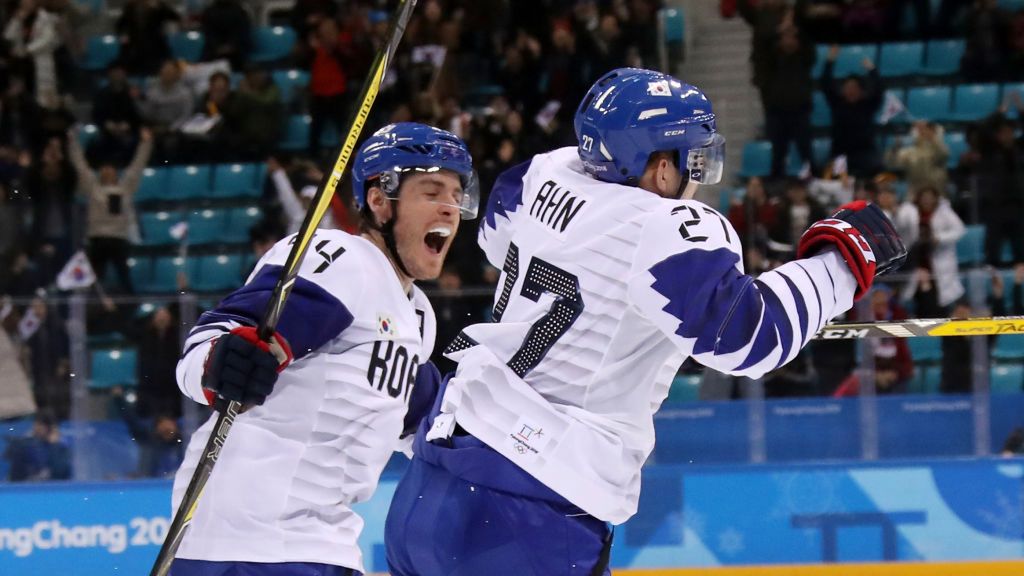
{"points": [[854, 103], [227, 30], [158, 358], [144, 44], [115, 112], [786, 88]]}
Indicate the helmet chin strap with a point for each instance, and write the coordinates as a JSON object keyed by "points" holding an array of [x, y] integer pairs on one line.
{"points": [[387, 230]]}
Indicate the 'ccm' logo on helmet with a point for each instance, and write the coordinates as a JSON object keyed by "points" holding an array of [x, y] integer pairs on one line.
{"points": [[679, 132]]}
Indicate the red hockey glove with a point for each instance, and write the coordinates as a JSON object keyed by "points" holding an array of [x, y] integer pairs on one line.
{"points": [[243, 368], [864, 237]]}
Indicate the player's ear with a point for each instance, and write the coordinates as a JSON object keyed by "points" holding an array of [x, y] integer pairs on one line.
{"points": [[379, 204]]}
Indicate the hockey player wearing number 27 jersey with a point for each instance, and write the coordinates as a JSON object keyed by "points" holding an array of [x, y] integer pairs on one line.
{"points": [[609, 281], [349, 346]]}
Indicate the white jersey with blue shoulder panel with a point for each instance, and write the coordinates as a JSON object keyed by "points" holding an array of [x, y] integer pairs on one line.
{"points": [[289, 472], [605, 290]]}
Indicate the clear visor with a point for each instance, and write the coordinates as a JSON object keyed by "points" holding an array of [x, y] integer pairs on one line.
{"points": [[705, 165], [466, 201]]}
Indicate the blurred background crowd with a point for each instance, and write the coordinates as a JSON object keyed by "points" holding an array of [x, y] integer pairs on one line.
{"points": [[170, 143]]}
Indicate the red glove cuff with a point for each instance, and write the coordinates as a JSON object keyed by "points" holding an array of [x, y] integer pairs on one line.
{"points": [[851, 246]]}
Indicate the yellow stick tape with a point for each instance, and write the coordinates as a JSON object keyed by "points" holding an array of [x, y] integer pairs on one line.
{"points": [[1007, 568], [978, 328]]}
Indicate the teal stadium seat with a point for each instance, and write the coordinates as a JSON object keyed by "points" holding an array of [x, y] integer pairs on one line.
{"points": [[92, 6], [897, 59], [153, 185], [929, 102], [794, 164], [1011, 5], [86, 135], [930, 378], [156, 227], [974, 101], [685, 388], [296, 133], [821, 114], [100, 51], [970, 249], [820, 57], [141, 271], [821, 150], [218, 273], [1006, 378], [848, 61], [290, 83], [1011, 88], [113, 367], [240, 220], [165, 274], [272, 43], [925, 349], [674, 25], [943, 56], [206, 226], [189, 182], [187, 46], [1009, 346], [235, 180], [757, 159], [957, 144]]}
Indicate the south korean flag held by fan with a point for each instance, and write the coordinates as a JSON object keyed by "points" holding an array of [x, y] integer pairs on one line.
{"points": [[77, 273]]}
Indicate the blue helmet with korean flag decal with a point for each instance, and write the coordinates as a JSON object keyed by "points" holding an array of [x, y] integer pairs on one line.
{"points": [[630, 113], [406, 147]]}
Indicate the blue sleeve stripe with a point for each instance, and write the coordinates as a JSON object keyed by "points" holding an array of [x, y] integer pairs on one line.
{"points": [[833, 282], [766, 340], [817, 295], [801, 306], [775, 314], [506, 195], [311, 317]]}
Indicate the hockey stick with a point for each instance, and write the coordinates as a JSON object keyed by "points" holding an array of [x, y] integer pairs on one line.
{"points": [[228, 411], [924, 327]]}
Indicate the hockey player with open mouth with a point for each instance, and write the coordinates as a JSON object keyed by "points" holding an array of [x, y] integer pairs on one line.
{"points": [[328, 397], [611, 276]]}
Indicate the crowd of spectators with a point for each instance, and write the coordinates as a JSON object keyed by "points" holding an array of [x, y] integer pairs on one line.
{"points": [[507, 77], [908, 177]]}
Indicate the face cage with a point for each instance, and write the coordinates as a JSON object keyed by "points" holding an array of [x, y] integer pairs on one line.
{"points": [[390, 181], [706, 165]]}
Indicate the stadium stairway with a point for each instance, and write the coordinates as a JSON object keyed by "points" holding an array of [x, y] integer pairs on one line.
{"points": [[718, 63]]}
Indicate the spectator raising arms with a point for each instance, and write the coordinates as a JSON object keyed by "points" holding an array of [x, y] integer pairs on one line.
{"points": [[854, 103], [924, 160], [111, 211]]}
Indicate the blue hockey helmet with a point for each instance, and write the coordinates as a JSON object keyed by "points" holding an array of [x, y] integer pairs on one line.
{"points": [[405, 147], [630, 113]]}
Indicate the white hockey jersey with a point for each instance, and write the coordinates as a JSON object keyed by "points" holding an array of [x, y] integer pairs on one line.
{"points": [[290, 470], [605, 290]]}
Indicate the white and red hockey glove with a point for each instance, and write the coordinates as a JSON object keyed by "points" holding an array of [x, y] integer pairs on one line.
{"points": [[242, 368], [865, 238]]}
